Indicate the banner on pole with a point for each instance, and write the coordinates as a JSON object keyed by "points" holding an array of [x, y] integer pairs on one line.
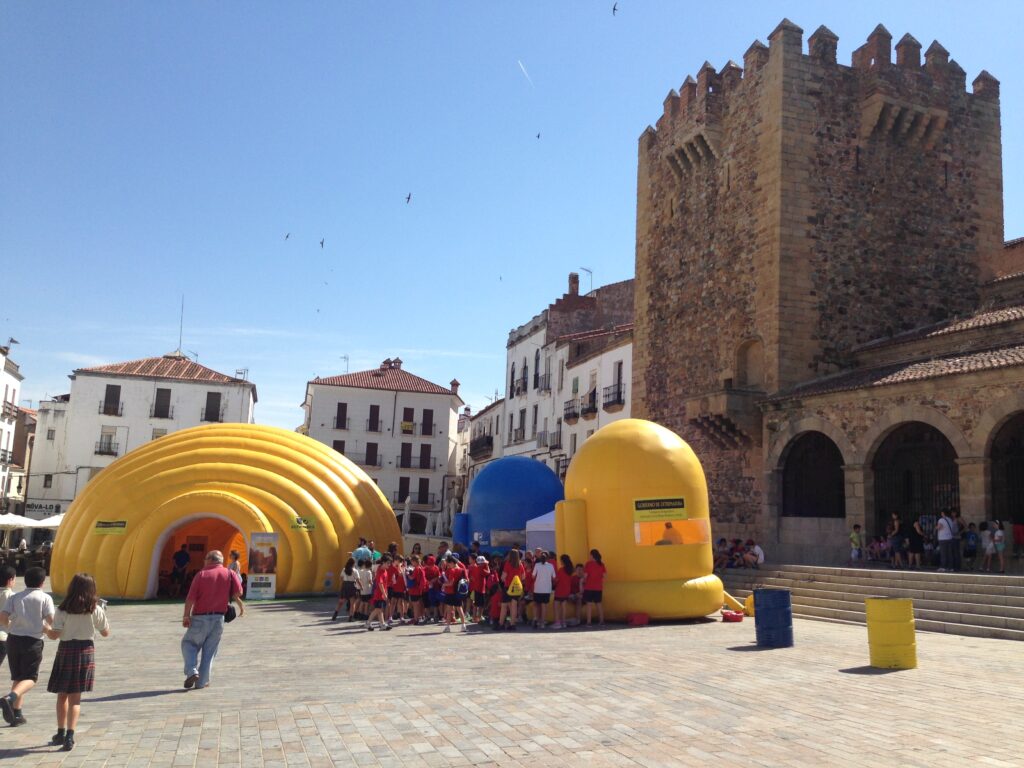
{"points": [[262, 583]]}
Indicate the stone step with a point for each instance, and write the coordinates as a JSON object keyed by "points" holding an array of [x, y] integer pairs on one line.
{"points": [[1010, 604], [920, 581], [890, 573], [930, 621]]}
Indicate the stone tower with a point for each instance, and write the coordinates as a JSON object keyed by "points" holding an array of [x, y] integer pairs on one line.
{"points": [[792, 209]]}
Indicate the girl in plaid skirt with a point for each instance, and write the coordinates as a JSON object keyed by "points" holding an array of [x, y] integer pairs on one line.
{"points": [[75, 624]]}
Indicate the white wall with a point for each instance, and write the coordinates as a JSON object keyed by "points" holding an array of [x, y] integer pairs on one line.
{"points": [[604, 366], [71, 457], [10, 389], [321, 408]]}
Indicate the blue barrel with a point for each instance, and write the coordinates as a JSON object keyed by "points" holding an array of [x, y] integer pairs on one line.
{"points": [[773, 618]]}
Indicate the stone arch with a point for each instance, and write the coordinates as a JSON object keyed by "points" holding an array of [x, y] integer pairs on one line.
{"points": [[813, 484], [896, 417], [750, 366], [992, 420], [785, 437]]}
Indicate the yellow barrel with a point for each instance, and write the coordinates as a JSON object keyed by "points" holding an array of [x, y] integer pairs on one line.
{"points": [[748, 605], [891, 636]]}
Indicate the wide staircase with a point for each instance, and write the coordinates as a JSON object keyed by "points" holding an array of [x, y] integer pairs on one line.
{"points": [[978, 605]]}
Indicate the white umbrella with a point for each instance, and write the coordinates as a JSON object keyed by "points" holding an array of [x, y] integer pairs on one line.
{"points": [[53, 521], [9, 522]]}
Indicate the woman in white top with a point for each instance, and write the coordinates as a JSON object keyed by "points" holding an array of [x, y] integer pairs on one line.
{"points": [[543, 582], [77, 620]]}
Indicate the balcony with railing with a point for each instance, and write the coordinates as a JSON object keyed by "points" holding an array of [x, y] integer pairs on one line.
{"points": [[342, 423], [519, 435], [481, 447], [588, 406], [374, 426], [571, 412], [555, 441], [408, 428], [110, 409], [364, 460], [6, 457], [563, 465], [614, 397], [417, 500], [161, 412], [10, 410], [416, 462], [522, 386], [106, 448], [212, 414], [544, 382], [542, 438]]}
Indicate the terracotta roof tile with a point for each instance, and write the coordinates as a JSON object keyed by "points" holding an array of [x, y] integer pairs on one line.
{"points": [[391, 379], [979, 320], [173, 366], [902, 373]]}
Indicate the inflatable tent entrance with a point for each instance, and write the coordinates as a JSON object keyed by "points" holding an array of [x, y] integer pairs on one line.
{"points": [[209, 487]]}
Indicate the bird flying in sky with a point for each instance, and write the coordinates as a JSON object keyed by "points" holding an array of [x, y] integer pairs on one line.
{"points": [[408, 198], [321, 244], [288, 235], [615, 9]]}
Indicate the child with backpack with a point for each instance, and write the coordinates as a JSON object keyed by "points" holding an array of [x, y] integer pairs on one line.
{"points": [[455, 585], [513, 575], [77, 620]]}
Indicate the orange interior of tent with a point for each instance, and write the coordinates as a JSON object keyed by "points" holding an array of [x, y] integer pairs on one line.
{"points": [[201, 536]]}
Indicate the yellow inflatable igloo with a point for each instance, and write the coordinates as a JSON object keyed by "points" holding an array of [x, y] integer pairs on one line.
{"points": [[210, 487], [636, 492]]}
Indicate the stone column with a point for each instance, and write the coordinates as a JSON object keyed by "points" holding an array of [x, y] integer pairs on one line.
{"points": [[975, 489], [858, 502]]}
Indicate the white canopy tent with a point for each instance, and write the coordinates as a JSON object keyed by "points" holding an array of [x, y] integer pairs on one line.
{"points": [[540, 532]]}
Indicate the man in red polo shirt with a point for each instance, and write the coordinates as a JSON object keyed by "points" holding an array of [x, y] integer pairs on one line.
{"points": [[208, 597]]}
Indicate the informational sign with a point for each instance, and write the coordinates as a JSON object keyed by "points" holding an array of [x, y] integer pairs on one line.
{"points": [[110, 527], [659, 510], [262, 578], [407, 427], [303, 524]]}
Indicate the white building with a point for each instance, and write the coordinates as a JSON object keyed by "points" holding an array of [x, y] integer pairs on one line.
{"points": [[401, 429], [113, 409], [567, 372], [11, 379]]}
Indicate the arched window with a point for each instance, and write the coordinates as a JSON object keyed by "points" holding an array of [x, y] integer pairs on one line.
{"points": [[916, 476], [812, 478], [1008, 471]]}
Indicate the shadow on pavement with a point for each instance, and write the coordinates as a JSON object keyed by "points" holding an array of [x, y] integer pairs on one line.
{"points": [[751, 647], [868, 670], [134, 695]]}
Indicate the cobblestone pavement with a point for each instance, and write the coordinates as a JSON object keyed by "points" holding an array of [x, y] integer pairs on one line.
{"points": [[292, 689]]}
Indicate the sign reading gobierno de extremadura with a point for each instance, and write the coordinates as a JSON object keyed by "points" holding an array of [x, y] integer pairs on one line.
{"points": [[659, 510]]}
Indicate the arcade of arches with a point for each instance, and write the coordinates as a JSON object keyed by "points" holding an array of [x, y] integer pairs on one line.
{"points": [[912, 469]]}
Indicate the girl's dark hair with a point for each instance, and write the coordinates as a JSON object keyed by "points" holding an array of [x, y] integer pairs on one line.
{"points": [[81, 596], [543, 557], [567, 565], [349, 565], [513, 558], [597, 555]]}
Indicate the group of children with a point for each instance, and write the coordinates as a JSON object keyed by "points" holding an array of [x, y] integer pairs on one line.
{"points": [[30, 615], [737, 554], [918, 547], [503, 590]]}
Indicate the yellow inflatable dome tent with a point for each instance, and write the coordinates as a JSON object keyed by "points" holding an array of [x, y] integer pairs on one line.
{"points": [[636, 492], [217, 484]]}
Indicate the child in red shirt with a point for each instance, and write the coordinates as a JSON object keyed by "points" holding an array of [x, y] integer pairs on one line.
{"points": [[397, 592], [563, 590], [513, 568], [381, 580], [593, 586], [417, 583], [450, 578], [433, 576], [479, 575]]}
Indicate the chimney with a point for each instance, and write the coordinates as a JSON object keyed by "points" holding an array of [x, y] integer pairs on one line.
{"points": [[386, 364], [397, 363], [574, 284], [455, 387]]}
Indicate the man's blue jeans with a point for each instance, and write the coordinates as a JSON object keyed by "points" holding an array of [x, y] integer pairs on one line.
{"points": [[202, 640]]}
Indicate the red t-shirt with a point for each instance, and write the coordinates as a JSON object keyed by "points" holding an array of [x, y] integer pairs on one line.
{"points": [[380, 584], [478, 578], [508, 573], [209, 590], [419, 581], [528, 581], [593, 576], [452, 577], [563, 583], [398, 579], [575, 587], [432, 573]]}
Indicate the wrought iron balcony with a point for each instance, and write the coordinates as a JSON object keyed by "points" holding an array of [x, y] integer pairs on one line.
{"points": [[212, 415], [544, 383], [542, 438], [408, 428], [418, 500], [416, 462], [373, 460], [6, 457], [571, 411], [588, 405], [481, 447], [614, 397], [522, 386], [374, 426], [106, 448], [519, 435], [555, 441], [161, 413], [341, 423], [10, 410], [111, 409]]}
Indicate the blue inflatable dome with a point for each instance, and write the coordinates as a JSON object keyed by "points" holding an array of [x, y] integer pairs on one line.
{"points": [[506, 494]]}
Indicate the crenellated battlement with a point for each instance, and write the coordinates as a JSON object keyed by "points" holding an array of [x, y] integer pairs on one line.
{"points": [[909, 99]]}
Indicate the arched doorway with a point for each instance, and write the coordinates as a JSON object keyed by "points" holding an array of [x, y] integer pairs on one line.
{"points": [[812, 478], [1008, 471], [916, 476], [198, 535]]}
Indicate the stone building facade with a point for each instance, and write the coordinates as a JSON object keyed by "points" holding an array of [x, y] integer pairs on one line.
{"points": [[825, 307]]}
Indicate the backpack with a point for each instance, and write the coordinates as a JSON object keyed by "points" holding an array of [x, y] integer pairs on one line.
{"points": [[463, 587], [515, 588]]}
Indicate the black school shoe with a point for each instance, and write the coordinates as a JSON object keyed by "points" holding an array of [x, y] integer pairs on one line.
{"points": [[19, 719], [7, 708], [57, 739], [69, 742]]}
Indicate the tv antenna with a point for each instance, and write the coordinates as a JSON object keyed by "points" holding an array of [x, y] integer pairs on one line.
{"points": [[345, 358], [590, 274], [194, 354], [181, 321]]}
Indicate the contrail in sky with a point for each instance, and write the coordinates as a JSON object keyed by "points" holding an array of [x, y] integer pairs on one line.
{"points": [[525, 73]]}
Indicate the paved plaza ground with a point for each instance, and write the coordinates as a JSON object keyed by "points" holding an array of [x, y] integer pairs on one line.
{"points": [[292, 689]]}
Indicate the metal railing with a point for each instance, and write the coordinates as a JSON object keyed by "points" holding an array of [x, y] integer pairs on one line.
{"points": [[408, 428], [209, 414], [522, 386], [555, 441], [418, 499], [110, 409], [364, 460], [542, 438], [106, 448], [481, 446], [589, 404], [615, 395], [341, 423], [6, 457], [571, 409], [374, 426], [161, 413], [544, 382], [10, 410], [518, 435], [416, 462]]}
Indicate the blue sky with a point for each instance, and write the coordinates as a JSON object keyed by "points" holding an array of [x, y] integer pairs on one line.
{"points": [[150, 150]]}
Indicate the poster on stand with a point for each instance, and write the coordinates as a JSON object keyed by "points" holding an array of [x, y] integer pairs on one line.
{"points": [[262, 584]]}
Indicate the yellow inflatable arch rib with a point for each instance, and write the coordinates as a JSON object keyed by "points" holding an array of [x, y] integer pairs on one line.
{"points": [[254, 478]]}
